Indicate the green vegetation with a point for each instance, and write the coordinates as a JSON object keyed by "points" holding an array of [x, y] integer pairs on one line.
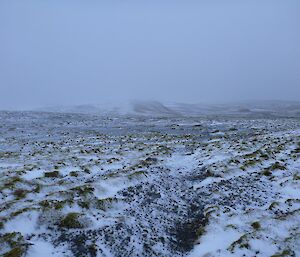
{"points": [[147, 162], [37, 188], [251, 162], [54, 204], [73, 174], [105, 203], [136, 174], [264, 156], [267, 172], [84, 204], [16, 241], [297, 149], [277, 166], [20, 193], [83, 190], [12, 182], [52, 174], [71, 221], [284, 253], [242, 242], [256, 225], [273, 205], [15, 252], [200, 231], [296, 177], [18, 212], [11, 238]]}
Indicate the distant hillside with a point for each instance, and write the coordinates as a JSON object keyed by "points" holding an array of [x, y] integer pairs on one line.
{"points": [[157, 109]]}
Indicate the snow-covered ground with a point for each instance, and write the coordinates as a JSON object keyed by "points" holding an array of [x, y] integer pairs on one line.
{"points": [[86, 185]]}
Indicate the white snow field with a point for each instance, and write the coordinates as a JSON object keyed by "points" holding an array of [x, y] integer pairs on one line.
{"points": [[90, 185]]}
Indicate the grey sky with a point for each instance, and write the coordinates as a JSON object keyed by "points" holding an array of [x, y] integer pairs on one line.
{"points": [[55, 52]]}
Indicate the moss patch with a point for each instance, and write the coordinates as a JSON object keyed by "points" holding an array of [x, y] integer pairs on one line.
{"points": [[16, 241], [273, 205], [12, 181], [136, 174], [20, 193], [104, 204], [267, 172], [52, 174], [256, 225], [242, 242], [15, 252], [277, 166], [284, 253], [71, 221], [83, 190], [73, 174]]}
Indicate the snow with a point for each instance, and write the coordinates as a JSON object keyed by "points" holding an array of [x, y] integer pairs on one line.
{"points": [[26, 223], [214, 241], [109, 187], [8, 165], [42, 248], [263, 247], [207, 182], [33, 174]]}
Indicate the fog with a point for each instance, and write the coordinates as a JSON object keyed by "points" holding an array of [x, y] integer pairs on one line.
{"points": [[63, 52]]}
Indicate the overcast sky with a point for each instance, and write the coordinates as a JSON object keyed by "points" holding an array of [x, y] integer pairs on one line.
{"points": [[64, 52]]}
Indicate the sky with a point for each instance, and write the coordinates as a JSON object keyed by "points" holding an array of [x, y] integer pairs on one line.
{"points": [[69, 52]]}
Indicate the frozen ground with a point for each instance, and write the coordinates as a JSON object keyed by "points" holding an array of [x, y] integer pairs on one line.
{"points": [[85, 185]]}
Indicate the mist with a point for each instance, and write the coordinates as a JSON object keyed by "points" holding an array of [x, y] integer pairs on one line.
{"points": [[81, 52]]}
